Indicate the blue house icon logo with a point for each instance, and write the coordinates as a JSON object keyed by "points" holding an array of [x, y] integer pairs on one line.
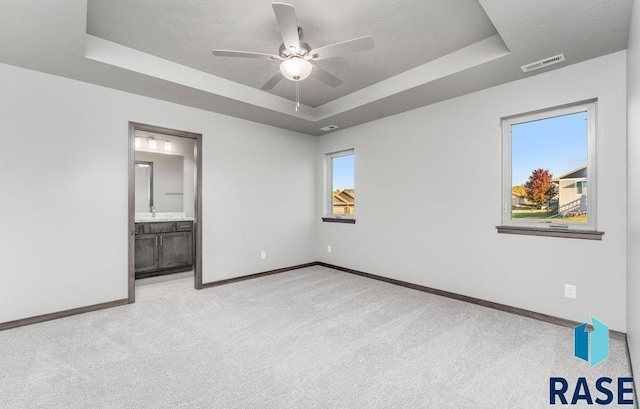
{"points": [[593, 346]]}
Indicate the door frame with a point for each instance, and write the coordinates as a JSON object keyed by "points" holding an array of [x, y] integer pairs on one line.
{"points": [[133, 127]]}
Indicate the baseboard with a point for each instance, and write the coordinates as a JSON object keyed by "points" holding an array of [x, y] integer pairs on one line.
{"points": [[61, 314], [257, 275], [489, 304]]}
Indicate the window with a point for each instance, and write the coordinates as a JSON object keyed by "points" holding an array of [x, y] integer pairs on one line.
{"points": [[340, 182], [581, 187], [548, 159]]}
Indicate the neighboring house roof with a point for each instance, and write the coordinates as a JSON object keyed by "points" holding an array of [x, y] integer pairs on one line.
{"points": [[578, 173], [344, 197]]}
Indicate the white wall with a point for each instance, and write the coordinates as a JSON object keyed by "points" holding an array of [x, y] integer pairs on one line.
{"points": [[633, 188], [440, 167], [63, 177]]}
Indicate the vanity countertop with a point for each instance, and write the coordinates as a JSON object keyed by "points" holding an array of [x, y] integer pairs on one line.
{"points": [[162, 217]]}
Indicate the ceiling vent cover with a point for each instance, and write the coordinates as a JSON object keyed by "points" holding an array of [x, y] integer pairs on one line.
{"points": [[329, 128], [543, 63]]}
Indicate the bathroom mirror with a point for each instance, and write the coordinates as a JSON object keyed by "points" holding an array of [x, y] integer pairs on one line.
{"points": [[164, 186], [144, 186]]}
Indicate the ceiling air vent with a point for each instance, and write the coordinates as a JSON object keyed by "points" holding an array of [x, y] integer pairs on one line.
{"points": [[329, 128], [543, 63]]}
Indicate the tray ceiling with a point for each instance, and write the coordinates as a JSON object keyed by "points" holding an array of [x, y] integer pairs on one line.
{"points": [[425, 51]]}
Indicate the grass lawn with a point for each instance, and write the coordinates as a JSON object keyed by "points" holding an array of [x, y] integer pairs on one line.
{"points": [[531, 214], [543, 214], [575, 219]]}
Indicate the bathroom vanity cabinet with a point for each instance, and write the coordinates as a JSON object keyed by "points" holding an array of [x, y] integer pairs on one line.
{"points": [[163, 248]]}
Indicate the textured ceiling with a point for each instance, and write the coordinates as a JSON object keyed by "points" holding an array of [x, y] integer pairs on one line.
{"points": [[426, 51], [406, 34]]}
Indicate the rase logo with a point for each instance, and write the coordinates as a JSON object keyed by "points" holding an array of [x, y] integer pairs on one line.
{"points": [[595, 351], [592, 347]]}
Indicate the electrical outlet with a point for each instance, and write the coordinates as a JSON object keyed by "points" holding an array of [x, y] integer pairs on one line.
{"points": [[263, 254], [329, 249], [570, 291]]}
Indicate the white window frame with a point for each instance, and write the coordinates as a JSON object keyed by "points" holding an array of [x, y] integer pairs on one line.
{"points": [[580, 186], [507, 122], [328, 202]]}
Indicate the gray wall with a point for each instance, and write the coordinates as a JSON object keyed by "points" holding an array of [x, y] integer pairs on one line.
{"points": [[444, 162], [63, 241], [633, 188]]}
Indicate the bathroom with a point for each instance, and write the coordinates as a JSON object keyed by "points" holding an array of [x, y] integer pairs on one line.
{"points": [[165, 206]]}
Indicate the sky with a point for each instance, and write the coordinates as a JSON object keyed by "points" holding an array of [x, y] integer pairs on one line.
{"points": [[558, 144], [343, 167]]}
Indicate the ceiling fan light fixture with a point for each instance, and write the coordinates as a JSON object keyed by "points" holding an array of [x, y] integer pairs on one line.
{"points": [[296, 68], [295, 55]]}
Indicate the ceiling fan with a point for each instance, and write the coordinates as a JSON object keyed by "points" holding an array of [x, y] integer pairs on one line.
{"points": [[295, 55]]}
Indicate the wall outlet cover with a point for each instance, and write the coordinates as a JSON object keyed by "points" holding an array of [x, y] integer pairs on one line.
{"points": [[570, 291]]}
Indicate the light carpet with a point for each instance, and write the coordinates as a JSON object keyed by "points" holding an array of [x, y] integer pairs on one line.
{"points": [[309, 338]]}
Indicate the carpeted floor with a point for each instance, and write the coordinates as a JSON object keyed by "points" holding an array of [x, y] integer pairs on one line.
{"points": [[310, 338]]}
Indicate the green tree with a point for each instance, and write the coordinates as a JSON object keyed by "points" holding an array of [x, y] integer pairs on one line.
{"points": [[540, 187]]}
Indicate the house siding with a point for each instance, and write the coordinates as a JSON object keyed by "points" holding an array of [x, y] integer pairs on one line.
{"points": [[570, 200]]}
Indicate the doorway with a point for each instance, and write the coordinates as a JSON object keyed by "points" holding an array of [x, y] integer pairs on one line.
{"points": [[149, 203]]}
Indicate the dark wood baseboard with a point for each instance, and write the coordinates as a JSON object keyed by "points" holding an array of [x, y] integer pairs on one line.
{"points": [[489, 304], [257, 275], [61, 314]]}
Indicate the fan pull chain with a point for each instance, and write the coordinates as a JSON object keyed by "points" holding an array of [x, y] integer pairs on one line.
{"points": [[297, 95]]}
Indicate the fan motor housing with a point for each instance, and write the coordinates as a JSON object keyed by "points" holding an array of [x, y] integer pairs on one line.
{"points": [[286, 53]]}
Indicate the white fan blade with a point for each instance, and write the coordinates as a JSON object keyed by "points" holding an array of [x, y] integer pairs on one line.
{"points": [[345, 47], [245, 54], [288, 23], [325, 77], [273, 81]]}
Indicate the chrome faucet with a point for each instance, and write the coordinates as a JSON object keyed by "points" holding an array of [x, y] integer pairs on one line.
{"points": [[153, 211]]}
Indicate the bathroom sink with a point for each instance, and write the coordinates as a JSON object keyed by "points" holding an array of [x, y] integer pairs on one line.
{"points": [[161, 217]]}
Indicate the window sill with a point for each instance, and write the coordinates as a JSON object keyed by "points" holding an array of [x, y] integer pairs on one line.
{"points": [[338, 220], [551, 232]]}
